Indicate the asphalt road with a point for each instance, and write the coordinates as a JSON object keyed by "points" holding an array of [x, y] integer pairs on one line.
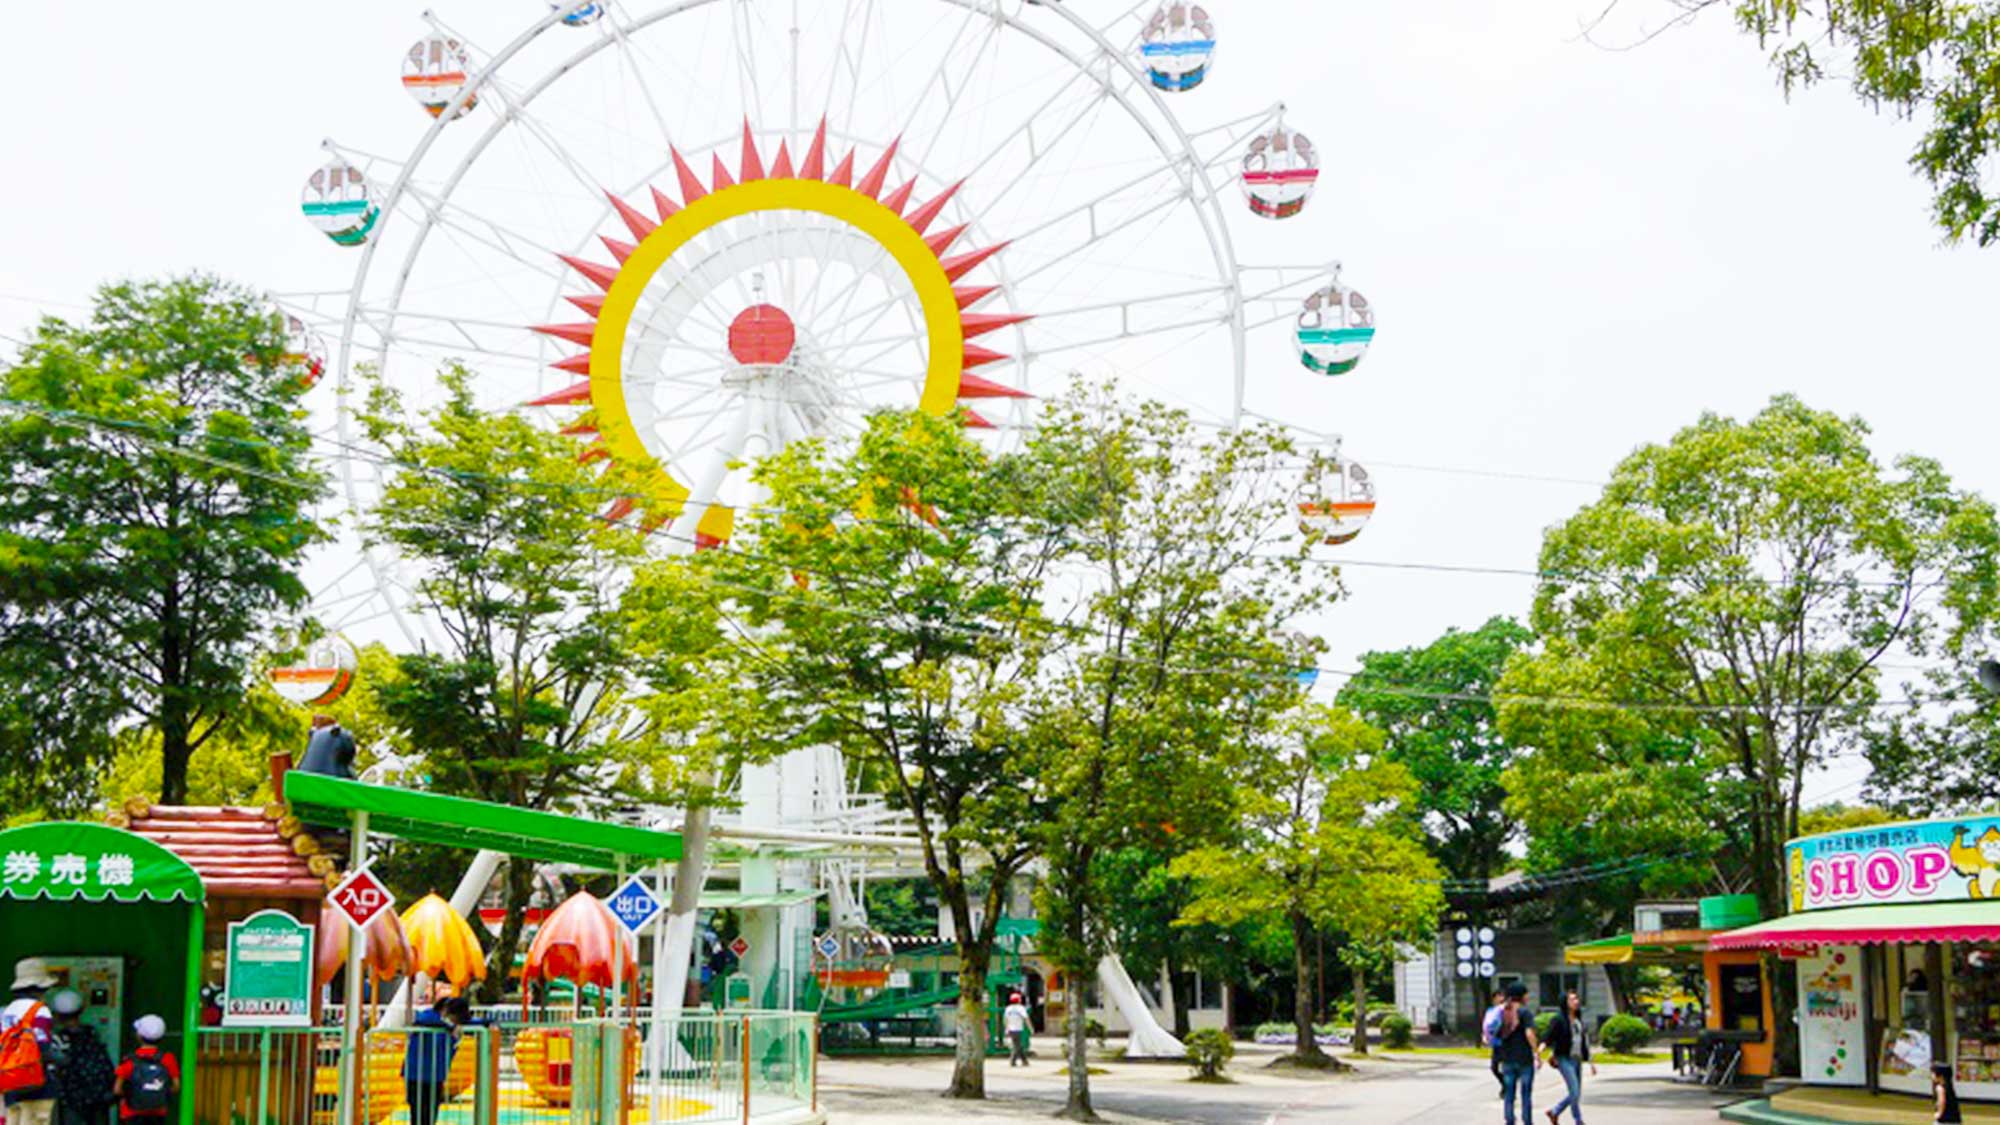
{"points": [[1431, 1091]]}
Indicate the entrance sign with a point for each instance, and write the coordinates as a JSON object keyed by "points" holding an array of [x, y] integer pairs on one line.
{"points": [[267, 975], [634, 905], [361, 896], [1925, 861], [740, 947]]}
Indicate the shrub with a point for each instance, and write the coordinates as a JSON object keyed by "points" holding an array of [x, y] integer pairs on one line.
{"points": [[1095, 1030], [1397, 1031], [1209, 1049], [1542, 1023], [1625, 1034]]}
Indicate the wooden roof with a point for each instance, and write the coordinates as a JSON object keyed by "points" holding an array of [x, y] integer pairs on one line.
{"points": [[239, 852]]}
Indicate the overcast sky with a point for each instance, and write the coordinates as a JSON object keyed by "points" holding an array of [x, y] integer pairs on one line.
{"points": [[1574, 250]]}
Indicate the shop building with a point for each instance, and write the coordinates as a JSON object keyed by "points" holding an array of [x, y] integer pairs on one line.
{"points": [[1894, 934]]}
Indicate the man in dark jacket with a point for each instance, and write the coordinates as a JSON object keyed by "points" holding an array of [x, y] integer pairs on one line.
{"points": [[427, 1061]]}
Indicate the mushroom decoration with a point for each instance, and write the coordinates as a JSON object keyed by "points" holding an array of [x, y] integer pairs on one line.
{"points": [[577, 943], [442, 943], [386, 952]]}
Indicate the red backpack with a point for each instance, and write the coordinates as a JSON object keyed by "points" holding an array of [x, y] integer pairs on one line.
{"points": [[21, 1055]]}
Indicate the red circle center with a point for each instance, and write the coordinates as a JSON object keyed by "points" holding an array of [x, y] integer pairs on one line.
{"points": [[762, 334]]}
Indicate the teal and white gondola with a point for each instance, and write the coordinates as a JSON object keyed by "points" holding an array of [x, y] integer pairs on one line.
{"points": [[1280, 170], [1335, 329], [339, 204], [1178, 45]]}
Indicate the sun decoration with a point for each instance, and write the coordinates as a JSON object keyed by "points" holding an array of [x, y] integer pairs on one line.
{"points": [[762, 340]]}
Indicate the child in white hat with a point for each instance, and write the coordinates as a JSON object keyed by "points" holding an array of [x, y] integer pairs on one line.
{"points": [[149, 1080]]}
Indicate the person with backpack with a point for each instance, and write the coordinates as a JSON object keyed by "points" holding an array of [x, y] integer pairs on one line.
{"points": [[26, 1028], [83, 1073], [1489, 1034], [1518, 1051], [148, 1082]]}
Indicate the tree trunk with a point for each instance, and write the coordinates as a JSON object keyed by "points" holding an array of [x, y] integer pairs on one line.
{"points": [[1302, 1004], [1360, 1011], [174, 748], [1178, 986], [1077, 1033], [500, 964], [968, 1066], [1779, 976]]}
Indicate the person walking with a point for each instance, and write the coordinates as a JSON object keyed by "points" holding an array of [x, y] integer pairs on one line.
{"points": [[1519, 1053], [1569, 1052], [1489, 1034], [31, 1105], [1016, 1020], [1944, 1095], [84, 1074], [148, 1082]]}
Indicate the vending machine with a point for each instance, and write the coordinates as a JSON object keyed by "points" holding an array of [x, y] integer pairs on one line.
{"points": [[101, 983]]}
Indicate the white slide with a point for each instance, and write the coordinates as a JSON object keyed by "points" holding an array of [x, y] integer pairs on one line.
{"points": [[1149, 1040]]}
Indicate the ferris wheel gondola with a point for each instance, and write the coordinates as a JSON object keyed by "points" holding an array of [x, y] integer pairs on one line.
{"points": [[1344, 508], [338, 202], [1178, 45], [578, 15], [1335, 329], [434, 72], [1280, 170]]}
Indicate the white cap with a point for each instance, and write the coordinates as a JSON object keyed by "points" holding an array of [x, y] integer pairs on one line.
{"points": [[150, 1028], [33, 972], [65, 1001]]}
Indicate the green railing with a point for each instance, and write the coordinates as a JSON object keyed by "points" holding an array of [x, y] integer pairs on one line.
{"points": [[706, 1067]]}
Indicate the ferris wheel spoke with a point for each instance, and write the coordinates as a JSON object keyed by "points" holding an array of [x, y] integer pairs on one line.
{"points": [[489, 233], [941, 76], [1099, 237], [628, 58], [1203, 322]]}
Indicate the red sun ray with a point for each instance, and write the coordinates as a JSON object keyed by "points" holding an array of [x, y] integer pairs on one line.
{"points": [[955, 268], [924, 216], [599, 275], [843, 174], [871, 184], [974, 422], [976, 356], [574, 333], [942, 240], [781, 168], [691, 188], [900, 198], [619, 509], [579, 427], [594, 453], [575, 365], [753, 161], [968, 295], [592, 304], [638, 224], [664, 204], [815, 165], [719, 173], [568, 396], [972, 386], [619, 250], [979, 324]]}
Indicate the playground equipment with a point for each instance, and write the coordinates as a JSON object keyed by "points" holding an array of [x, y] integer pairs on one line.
{"points": [[946, 208]]}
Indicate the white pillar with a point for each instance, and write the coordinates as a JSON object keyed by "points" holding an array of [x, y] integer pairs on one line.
{"points": [[352, 1055]]}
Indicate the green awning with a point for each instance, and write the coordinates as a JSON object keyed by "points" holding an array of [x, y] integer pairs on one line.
{"points": [[457, 822], [738, 900], [63, 861], [1971, 920]]}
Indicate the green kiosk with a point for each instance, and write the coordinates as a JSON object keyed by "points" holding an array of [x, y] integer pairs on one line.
{"points": [[116, 917]]}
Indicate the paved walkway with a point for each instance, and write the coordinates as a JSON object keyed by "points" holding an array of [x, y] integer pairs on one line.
{"points": [[1426, 1090]]}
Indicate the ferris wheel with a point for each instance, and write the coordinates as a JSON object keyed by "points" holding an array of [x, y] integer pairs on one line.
{"points": [[692, 232]]}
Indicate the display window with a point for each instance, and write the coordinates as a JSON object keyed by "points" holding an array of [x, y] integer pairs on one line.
{"points": [[1975, 1013]]}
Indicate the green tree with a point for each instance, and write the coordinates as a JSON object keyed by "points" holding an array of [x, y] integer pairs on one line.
{"points": [[1330, 841], [1180, 665], [890, 599], [1913, 56], [1714, 629], [498, 520], [1433, 702], [155, 515]]}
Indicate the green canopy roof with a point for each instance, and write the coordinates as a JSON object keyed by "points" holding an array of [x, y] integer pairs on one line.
{"points": [[63, 861], [429, 818]]}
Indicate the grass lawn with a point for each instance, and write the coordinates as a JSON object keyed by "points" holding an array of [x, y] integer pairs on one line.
{"points": [[1602, 1058]]}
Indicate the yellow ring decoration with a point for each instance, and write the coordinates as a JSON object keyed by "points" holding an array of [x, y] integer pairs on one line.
{"points": [[920, 264]]}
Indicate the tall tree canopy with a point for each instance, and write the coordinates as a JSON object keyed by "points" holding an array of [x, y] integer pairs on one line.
{"points": [[156, 487], [499, 522], [1715, 629], [1434, 705]]}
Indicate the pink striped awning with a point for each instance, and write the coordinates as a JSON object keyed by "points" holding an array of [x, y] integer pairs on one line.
{"points": [[1871, 925]]}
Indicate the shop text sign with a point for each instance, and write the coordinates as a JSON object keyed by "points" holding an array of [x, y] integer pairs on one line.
{"points": [[1926, 861]]}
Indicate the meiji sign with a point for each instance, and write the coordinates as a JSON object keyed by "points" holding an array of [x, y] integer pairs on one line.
{"points": [[1922, 861]]}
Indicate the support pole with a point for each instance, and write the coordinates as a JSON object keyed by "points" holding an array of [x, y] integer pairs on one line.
{"points": [[191, 1007], [656, 1039], [618, 958], [350, 1017], [743, 1060]]}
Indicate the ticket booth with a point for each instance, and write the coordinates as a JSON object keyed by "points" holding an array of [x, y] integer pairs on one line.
{"points": [[116, 917]]}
